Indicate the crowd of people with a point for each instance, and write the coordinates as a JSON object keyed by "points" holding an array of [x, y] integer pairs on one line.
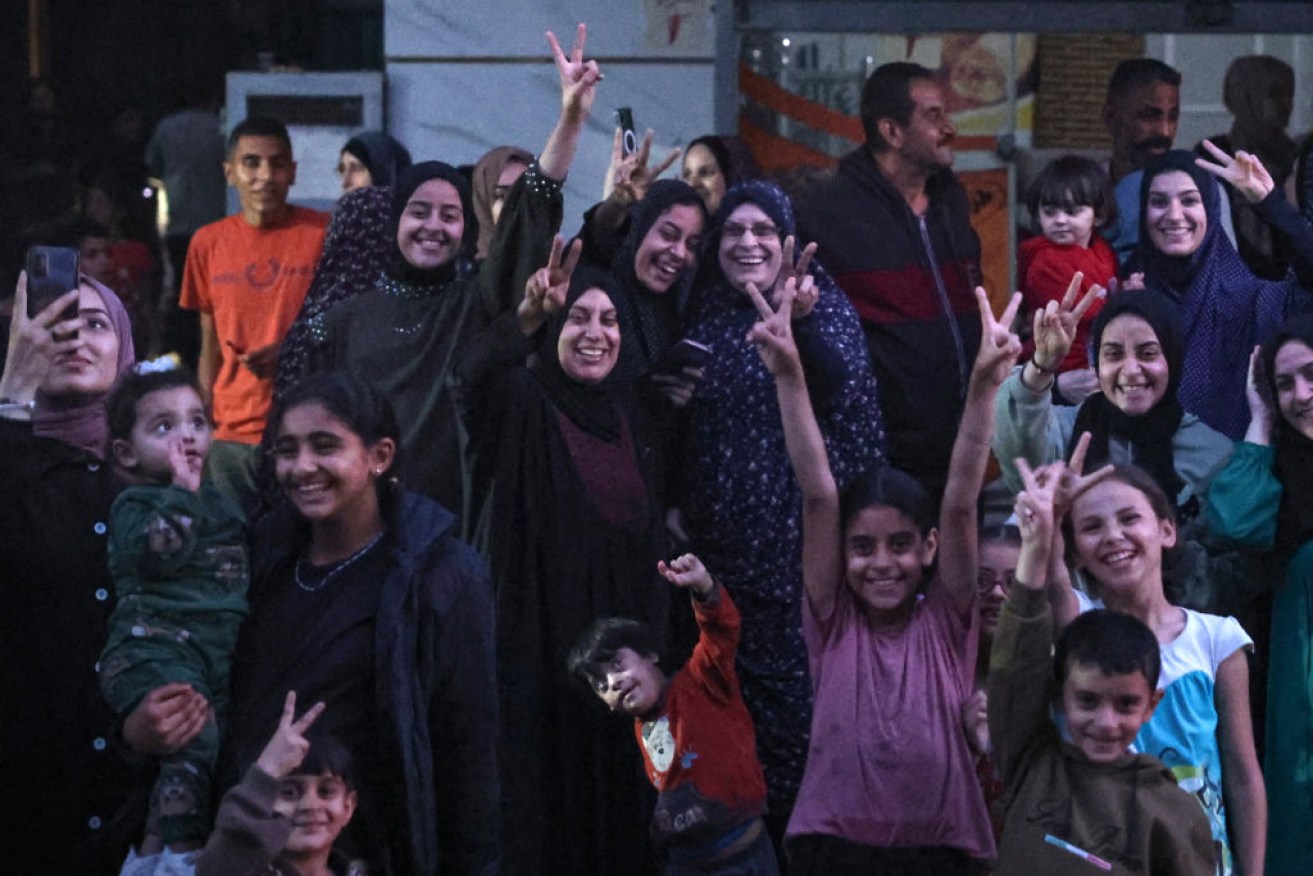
{"points": [[337, 585]]}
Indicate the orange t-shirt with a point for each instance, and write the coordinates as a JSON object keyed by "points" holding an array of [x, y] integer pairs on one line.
{"points": [[251, 281]]}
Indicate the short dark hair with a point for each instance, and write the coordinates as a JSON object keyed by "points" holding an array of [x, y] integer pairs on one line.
{"points": [[604, 638], [1071, 181], [132, 387], [327, 755], [888, 95], [1138, 72], [890, 487], [1115, 643], [259, 126]]}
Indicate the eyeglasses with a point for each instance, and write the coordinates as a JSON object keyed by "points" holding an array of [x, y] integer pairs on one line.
{"points": [[986, 582], [762, 230]]}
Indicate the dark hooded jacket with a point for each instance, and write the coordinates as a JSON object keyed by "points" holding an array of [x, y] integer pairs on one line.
{"points": [[923, 335]]}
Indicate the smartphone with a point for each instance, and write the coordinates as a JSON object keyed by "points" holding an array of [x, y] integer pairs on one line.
{"points": [[629, 139], [684, 353], [51, 272]]}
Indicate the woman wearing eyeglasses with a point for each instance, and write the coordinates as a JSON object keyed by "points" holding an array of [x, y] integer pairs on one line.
{"points": [[739, 500]]}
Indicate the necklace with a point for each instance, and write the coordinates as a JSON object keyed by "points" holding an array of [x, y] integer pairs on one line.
{"points": [[336, 570]]}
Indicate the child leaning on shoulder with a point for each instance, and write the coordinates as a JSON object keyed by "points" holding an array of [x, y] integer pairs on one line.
{"points": [[693, 729]]}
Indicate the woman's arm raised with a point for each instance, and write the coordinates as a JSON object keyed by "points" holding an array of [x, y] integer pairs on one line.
{"points": [[822, 556], [999, 348], [579, 80]]}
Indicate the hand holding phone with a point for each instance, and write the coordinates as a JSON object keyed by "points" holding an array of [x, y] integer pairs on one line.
{"points": [[52, 271], [629, 137]]}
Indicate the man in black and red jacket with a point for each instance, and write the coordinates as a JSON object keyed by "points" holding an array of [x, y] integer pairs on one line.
{"points": [[893, 225]]}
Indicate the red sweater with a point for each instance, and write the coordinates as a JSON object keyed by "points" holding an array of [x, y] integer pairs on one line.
{"points": [[1044, 269], [701, 750]]}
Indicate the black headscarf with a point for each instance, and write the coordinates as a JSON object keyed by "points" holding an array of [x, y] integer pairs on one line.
{"points": [[732, 157], [1150, 434], [652, 316], [410, 180], [590, 406], [383, 157], [1294, 452]]}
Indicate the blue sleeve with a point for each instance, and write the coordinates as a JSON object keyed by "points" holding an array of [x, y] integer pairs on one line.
{"points": [[1277, 212]]}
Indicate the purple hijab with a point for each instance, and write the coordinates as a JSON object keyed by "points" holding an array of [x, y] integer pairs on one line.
{"points": [[79, 421], [1225, 310]]}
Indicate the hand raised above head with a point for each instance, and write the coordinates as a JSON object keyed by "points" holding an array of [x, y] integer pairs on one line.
{"points": [[1244, 172], [288, 747], [546, 288], [999, 345], [579, 78], [687, 571], [628, 177]]}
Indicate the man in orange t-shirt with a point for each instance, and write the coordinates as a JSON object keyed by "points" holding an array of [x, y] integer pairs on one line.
{"points": [[247, 275]]}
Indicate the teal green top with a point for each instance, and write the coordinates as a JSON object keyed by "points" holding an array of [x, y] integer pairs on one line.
{"points": [[1242, 507]]}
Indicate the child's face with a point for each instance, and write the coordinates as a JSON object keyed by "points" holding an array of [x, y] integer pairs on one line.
{"points": [[997, 569], [318, 808], [325, 468], [169, 421], [886, 557], [1069, 224], [1119, 538], [1105, 712], [633, 683]]}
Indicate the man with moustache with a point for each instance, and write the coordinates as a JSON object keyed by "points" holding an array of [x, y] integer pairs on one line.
{"points": [[1141, 113], [893, 227]]}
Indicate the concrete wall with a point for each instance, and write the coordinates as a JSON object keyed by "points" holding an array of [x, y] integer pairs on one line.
{"points": [[464, 77]]}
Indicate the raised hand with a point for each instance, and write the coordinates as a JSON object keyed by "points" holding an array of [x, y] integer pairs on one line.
{"points": [[806, 291], [288, 746], [545, 290], [186, 470], [1069, 480], [35, 342], [999, 346], [1260, 406], [773, 335], [579, 78], [1244, 172], [628, 177], [1035, 503], [687, 571], [1055, 325]]}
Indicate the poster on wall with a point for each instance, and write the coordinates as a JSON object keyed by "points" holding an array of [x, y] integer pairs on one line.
{"points": [[678, 27]]}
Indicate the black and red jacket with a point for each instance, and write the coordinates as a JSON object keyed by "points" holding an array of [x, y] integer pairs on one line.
{"points": [[923, 334]]}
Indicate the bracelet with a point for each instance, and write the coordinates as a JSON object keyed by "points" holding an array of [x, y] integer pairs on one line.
{"points": [[1041, 369], [13, 404]]}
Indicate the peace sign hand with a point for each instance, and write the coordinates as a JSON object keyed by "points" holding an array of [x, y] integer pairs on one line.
{"points": [[773, 335], [1055, 325], [628, 177], [579, 78], [545, 291], [1035, 503], [999, 346], [1245, 172], [806, 291], [288, 746], [1069, 481]]}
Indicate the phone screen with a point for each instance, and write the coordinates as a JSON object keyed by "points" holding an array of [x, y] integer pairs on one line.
{"points": [[629, 139], [51, 272]]}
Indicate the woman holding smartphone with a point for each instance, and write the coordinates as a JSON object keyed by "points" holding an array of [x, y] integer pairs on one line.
{"points": [[65, 776]]}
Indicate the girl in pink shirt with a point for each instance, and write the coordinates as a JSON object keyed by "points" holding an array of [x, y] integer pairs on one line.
{"points": [[890, 783]]}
